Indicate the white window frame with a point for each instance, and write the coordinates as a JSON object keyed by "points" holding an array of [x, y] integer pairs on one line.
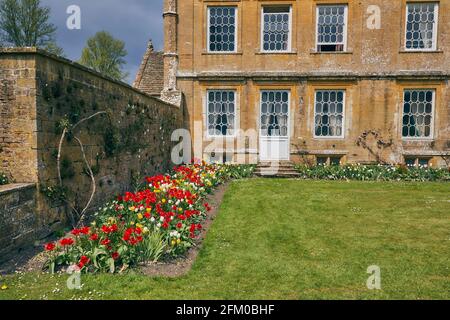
{"points": [[433, 113], [289, 47], [261, 92], [344, 101], [345, 27], [435, 27], [208, 43], [236, 109]]}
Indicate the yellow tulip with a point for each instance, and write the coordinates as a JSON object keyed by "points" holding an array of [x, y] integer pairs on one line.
{"points": [[4, 287], [140, 216], [173, 242], [163, 200], [149, 210], [132, 208]]}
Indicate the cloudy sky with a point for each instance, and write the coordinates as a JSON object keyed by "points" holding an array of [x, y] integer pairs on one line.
{"points": [[133, 21]]}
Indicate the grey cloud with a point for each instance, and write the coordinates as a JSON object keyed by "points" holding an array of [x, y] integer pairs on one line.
{"points": [[133, 21]]}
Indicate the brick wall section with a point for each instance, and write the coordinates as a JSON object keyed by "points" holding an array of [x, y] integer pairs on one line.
{"points": [[38, 91], [150, 77], [17, 217]]}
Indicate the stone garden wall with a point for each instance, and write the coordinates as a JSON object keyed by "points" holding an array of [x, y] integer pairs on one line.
{"points": [[17, 217], [128, 136]]}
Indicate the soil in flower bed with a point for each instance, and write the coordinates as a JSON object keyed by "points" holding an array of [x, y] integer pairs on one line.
{"points": [[182, 265], [33, 259], [28, 260]]}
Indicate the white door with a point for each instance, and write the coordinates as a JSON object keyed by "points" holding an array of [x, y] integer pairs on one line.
{"points": [[274, 125]]}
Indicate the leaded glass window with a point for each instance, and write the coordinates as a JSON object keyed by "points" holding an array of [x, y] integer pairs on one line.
{"points": [[274, 113], [221, 113], [222, 29], [418, 113], [329, 113], [331, 27], [421, 26], [276, 29]]}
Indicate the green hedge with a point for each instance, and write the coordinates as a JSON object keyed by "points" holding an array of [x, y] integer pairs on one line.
{"points": [[374, 173]]}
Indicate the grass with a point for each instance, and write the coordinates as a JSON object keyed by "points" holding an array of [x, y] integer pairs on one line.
{"points": [[290, 239]]}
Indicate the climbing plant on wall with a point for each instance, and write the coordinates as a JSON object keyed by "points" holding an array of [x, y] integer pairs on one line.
{"points": [[375, 147], [121, 128]]}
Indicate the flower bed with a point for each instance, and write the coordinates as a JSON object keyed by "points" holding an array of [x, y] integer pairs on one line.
{"points": [[374, 173], [162, 220]]}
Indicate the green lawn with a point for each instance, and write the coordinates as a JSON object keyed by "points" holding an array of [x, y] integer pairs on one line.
{"points": [[288, 239]]}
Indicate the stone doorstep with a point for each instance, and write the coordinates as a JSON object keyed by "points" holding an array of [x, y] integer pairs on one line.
{"points": [[285, 175], [274, 173], [275, 169], [281, 169]]}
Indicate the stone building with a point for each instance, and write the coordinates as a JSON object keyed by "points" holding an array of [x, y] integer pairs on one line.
{"points": [[150, 76], [311, 80]]}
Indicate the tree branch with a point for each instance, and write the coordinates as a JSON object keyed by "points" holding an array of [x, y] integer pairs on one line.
{"points": [[91, 174]]}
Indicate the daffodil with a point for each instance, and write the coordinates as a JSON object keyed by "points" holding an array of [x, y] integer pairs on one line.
{"points": [[4, 287]]}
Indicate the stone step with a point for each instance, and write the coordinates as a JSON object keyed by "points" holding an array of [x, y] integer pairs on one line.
{"points": [[276, 168], [282, 169], [276, 173], [271, 173], [280, 164], [284, 175]]}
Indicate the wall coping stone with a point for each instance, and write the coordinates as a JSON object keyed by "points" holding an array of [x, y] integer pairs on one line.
{"points": [[15, 187], [43, 53]]}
